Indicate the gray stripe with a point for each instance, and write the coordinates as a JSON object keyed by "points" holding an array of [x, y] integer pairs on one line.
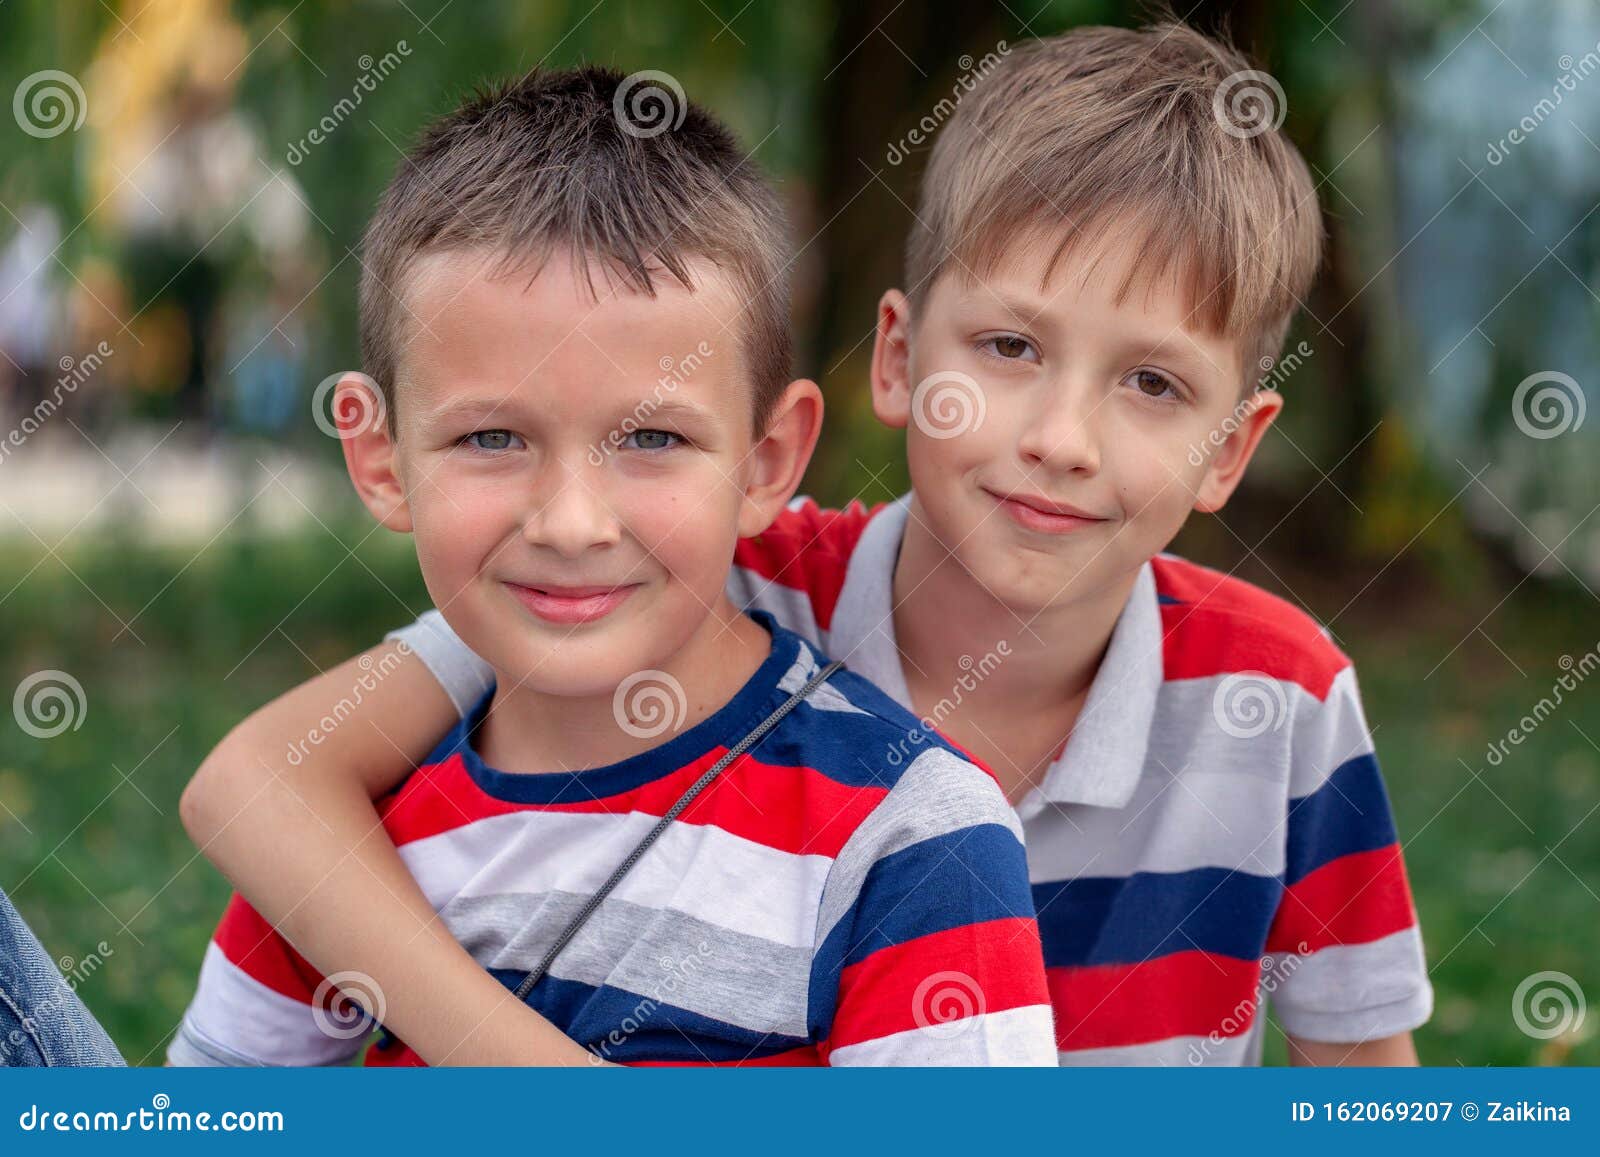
{"points": [[939, 793], [659, 953]]}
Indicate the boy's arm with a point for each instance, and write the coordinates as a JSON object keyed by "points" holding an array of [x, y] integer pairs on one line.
{"points": [[931, 954], [1396, 1051], [1349, 982], [292, 824]]}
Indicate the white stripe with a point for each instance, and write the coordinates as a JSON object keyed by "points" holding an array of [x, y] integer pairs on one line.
{"points": [[1208, 798], [1017, 1036], [234, 1013], [1175, 1052], [1349, 993], [696, 869], [1328, 734], [463, 675]]}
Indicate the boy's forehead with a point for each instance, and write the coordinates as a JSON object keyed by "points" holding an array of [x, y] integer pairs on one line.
{"points": [[470, 315]]}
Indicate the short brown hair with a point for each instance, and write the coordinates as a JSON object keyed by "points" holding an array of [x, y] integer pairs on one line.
{"points": [[573, 159], [1103, 127]]}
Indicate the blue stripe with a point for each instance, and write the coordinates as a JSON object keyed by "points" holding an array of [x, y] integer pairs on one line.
{"points": [[960, 878], [1125, 920], [645, 1029], [1349, 813]]}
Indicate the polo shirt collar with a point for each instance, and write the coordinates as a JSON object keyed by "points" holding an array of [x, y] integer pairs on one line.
{"points": [[1105, 756]]}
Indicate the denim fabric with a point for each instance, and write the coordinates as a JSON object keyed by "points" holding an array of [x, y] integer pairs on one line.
{"points": [[42, 1021]]}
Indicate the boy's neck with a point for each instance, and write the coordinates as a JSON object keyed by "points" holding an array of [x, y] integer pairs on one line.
{"points": [[532, 731], [1020, 678]]}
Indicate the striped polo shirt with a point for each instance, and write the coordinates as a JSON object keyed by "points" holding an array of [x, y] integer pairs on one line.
{"points": [[848, 891], [1212, 838]]}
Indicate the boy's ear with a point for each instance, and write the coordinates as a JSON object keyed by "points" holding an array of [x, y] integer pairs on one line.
{"points": [[369, 451], [1255, 415], [891, 361], [779, 459]]}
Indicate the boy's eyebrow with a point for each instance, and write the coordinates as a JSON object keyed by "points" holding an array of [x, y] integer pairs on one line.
{"points": [[471, 407], [646, 406]]}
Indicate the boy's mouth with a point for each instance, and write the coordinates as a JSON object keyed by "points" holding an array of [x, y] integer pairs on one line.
{"points": [[569, 605], [1034, 513]]}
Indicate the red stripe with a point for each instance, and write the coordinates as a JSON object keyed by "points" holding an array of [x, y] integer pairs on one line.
{"points": [[255, 947], [792, 809], [808, 549], [1355, 899], [1222, 625], [1184, 994], [931, 980]]}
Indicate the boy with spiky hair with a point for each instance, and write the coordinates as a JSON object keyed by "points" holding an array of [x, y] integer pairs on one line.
{"points": [[673, 828]]}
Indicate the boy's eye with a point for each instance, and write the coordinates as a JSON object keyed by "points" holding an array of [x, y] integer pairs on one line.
{"points": [[651, 440], [491, 440], [1152, 384], [1010, 347]]}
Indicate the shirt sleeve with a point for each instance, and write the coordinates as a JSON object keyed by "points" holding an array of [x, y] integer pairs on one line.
{"points": [[931, 954], [463, 675], [260, 1003], [1345, 961]]}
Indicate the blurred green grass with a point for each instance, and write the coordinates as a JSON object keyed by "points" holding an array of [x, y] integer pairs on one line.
{"points": [[1505, 863]]}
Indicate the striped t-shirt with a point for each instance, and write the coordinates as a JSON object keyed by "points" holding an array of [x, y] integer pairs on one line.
{"points": [[1213, 837], [846, 892]]}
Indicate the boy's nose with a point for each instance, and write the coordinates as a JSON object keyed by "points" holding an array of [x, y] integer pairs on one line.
{"points": [[1059, 436], [569, 515]]}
